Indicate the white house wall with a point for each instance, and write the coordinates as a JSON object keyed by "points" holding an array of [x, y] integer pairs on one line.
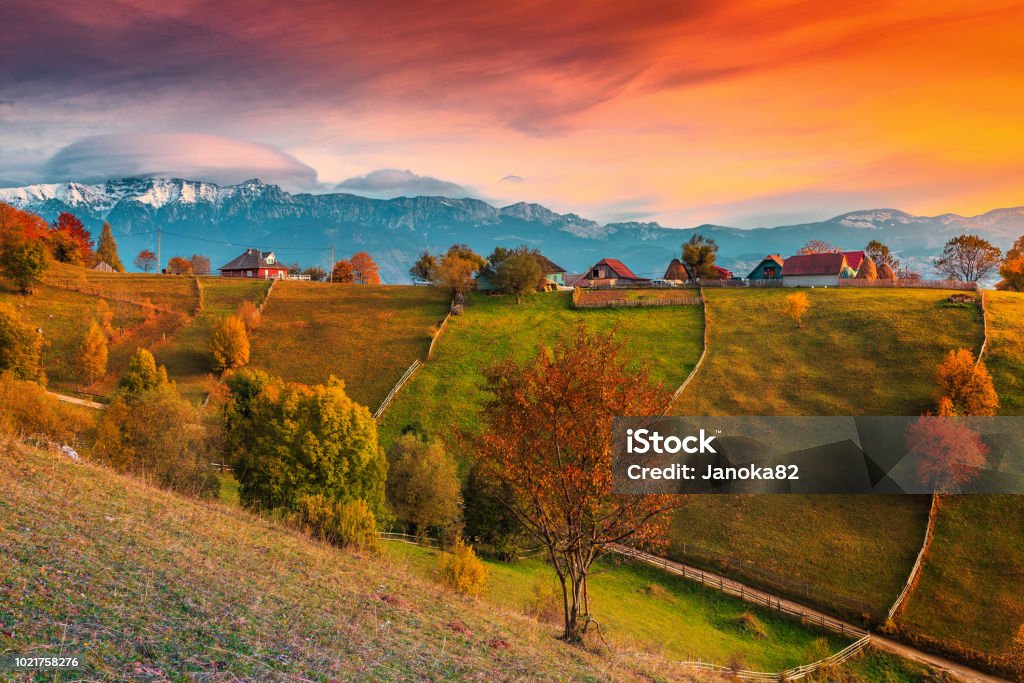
{"points": [[810, 280]]}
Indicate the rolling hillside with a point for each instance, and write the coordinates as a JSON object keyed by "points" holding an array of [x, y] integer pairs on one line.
{"points": [[152, 586], [445, 395]]}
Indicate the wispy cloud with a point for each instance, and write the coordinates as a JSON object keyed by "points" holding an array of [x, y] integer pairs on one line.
{"points": [[390, 182]]}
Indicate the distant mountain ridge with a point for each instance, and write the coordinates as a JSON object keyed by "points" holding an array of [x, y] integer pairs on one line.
{"points": [[220, 221]]}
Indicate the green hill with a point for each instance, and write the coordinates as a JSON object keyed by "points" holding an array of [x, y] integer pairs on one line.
{"points": [[446, 394]]}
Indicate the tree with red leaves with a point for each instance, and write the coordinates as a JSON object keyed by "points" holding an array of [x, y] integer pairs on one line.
{"points": [[68, 225], [21, 225], [948, 452], [365, 271], [548, 449], [343, 272], [145, 260]]}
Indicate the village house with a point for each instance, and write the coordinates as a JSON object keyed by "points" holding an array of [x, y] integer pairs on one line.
{"points": [[610, 272], [770, 268], [255, 264], [814, 270], [554, 276]]}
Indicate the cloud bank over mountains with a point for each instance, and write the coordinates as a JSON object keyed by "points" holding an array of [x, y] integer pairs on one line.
{"points": [[387, 183]]}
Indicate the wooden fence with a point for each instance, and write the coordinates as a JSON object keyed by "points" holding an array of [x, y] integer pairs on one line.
{"points": [[908, 284], [437, 335], [398, 387], [700, 361], [916, 569], [741, 283]]}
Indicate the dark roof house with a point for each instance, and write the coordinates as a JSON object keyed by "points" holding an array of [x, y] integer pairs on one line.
{"points": [[255, 263], [613, 269], [770, 268]]}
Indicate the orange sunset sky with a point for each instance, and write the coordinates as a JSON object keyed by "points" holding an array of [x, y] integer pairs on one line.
{"points": [[743, 113]]}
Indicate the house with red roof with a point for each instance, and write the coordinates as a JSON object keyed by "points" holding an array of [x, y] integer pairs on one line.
{"points": [[611, 272], [814, 270], [256, 264]]}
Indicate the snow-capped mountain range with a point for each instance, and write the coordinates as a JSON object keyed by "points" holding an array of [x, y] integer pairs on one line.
{"points": [[220, 221]]}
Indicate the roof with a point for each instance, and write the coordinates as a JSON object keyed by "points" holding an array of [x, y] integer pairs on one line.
{"points": [[103, 267], [770, 258], [575, 279], [253, 259], [549, 266], [619, 268], [723, 272], [854, 258], [813, 264], [676, 271]]}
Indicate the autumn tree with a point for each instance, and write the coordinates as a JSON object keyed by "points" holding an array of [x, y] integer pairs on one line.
{"points": [[200, 264], [1012, 268], [294, 440], [24, 262], [817, 247], [70, 228], [698, 256], [424, 267], [177, 265], [516, 271], [947, 453], [18, 224], [423, 486], [1017, 650], [868, 271], [343, 272], [965, 386], [457, 267], [92, 354], [547, 443], [249, 314], [65, 249], [364, 270], [142, 374], [145, 260], [881, 255], [106, 249], [968, 258], [229, 344], [795, 305], [21, 347]]}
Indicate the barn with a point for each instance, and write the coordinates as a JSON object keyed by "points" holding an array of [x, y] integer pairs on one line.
{"points": [[611, 271], [813, 270], [770, 268], [255, 264]]}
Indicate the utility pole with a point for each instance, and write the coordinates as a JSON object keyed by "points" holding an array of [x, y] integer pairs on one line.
{"points": [[330, 269], [158, 261]]}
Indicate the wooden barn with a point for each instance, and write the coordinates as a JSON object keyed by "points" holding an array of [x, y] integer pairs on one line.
{"points": [[256, 264], [770, 268], [813, 270], [611, 271]]}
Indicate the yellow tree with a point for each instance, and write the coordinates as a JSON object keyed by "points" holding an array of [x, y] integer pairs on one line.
{"points": [[92, 354], [548, 445], [795, 305], [229, 345], [965, 386]]}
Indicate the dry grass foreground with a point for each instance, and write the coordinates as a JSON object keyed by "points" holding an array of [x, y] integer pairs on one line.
{"points": [[367, 335], [152, 586]]}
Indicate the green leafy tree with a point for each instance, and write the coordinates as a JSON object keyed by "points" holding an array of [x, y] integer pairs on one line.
{"points": [[24, 261], [881, 255], [106, 249], [424, 267], [968, 258], [92, 355], [229, 345], [489, 523], [21, 347], [518, 272], [302, 440], [142, 374], [423, 485], [698, 257]]}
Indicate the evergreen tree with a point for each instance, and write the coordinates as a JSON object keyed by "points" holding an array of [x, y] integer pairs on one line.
{"points": [[93, 353], [106, 250]]}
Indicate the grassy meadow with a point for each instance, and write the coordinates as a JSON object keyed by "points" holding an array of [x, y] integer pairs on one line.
{"points": [[176, 293], [367, 335], [1005, 354], [149, 585], [186, 354], [446, 394]]}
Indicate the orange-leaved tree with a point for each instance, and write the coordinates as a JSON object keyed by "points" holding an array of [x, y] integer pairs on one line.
{"points": [[343, 272], [364, 270], [795, 305], [548, 446], [965, 386]]}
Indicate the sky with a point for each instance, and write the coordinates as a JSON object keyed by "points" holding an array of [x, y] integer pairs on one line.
{"points": [[736, 112]]}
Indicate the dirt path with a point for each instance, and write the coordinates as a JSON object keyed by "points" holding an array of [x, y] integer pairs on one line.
{"points": [[808, 615], [77, 401]]}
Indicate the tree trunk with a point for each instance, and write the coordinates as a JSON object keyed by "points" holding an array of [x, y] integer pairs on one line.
{"points": [[577, 612]]}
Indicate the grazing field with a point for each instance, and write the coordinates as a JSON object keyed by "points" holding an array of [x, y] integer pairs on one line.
{"points": [[1005, 354], [149, 585], [446, 394], [969, 596], [367, 335], [603, 296], [860, 351], [176, 293], [64, 316], [644, 608], [186, 354]]}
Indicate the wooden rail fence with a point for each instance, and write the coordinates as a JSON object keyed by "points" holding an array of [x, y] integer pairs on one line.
{"points": [[909, 284], [398, 387], [641, 303], [916, 569], [700, 361]]}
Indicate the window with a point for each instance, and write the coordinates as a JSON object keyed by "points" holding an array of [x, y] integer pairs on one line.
{"points": [[248, 273], [769, 273]]}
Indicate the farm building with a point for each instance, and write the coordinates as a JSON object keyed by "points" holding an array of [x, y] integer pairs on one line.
{"points": [[103, 267], [722, 273], [611, 271], [256, 264], [552, 271], [554, 276], [813, 270], [770, 268], [855, 259]]}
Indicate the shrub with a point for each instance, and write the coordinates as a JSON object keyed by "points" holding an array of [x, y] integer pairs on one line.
{"points": [[545, 603], [20, 346], [157, 436], [795, 305], [230, 344], [93, 354], [26, 409], [423, 486], [345, 524], [142, 374], [965, 386], [462, 571], [751, 625], [249, 315]]}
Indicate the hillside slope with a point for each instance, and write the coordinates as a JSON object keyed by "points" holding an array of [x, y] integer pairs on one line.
{"points": [[152, 586]]}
